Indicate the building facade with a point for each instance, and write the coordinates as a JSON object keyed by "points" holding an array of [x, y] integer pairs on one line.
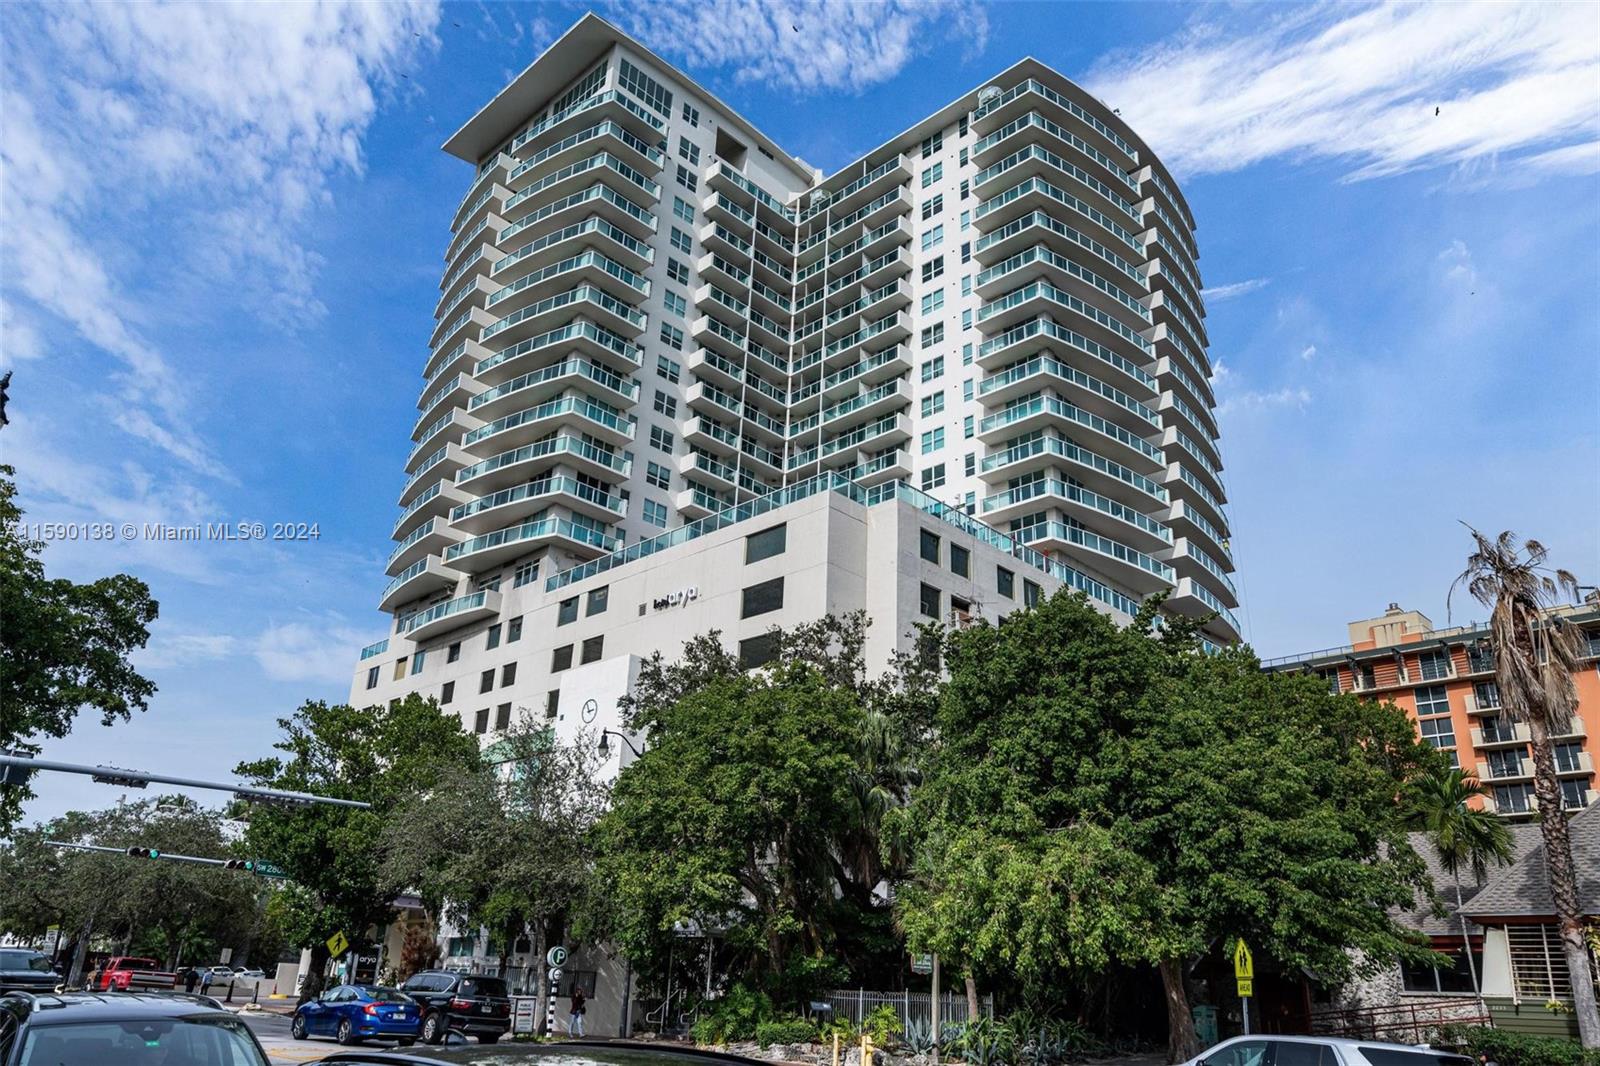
{"points": [[965, 370], [1444, 679]]}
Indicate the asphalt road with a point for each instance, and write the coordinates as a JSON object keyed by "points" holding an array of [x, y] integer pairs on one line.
{"points": [[284, 1050]]}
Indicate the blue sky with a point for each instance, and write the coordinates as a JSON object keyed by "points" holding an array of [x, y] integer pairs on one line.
{"points": [[222, 231]]}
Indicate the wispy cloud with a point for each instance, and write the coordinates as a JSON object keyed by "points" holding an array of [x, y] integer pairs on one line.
{"points": [[1383, 89], [317, 651], [803, 47], [1287, 396], [1235, 288]]}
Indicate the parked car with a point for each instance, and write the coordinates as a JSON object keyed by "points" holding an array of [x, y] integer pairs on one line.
{"points": [[566, 1053], [84, 1027], [129, 973], [353, 1013], [473, 1004], [25, 970], [1321, 1051]]}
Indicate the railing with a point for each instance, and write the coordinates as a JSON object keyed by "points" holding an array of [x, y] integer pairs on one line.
{"points": [[856, 1004], [1401, 1023], [375, 648]]}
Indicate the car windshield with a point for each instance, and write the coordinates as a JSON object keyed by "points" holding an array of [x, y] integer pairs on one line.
{"points": [[221, 1041], [385, 995], [482, 986], [24, 960]]}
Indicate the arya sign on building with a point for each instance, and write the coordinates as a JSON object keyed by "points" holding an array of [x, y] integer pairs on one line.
{"points": [[682, 598]]}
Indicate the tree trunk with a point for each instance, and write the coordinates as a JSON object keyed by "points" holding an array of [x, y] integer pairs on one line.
{"points": [[972, 998], [541, 985], [1466, 945], [1182, 1041], [1563, 879], [313, 981]]}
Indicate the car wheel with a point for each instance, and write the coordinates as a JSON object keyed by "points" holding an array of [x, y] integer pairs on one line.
{"points": [[347, 1032], [488, 1038], [297, 1027], [433, 1028]]}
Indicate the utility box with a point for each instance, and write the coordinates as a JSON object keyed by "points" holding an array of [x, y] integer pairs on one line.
{"points": [[1205, 1023]]}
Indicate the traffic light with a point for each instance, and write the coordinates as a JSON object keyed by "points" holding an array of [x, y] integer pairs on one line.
{"points": [[145, 853], [241, 864]]}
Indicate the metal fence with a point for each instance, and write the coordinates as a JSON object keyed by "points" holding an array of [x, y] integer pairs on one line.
{"points": [[856, 1003]]}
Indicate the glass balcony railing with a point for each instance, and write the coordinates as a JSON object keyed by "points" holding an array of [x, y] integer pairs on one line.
{"points": [[1044, 364], [561, 444], [1066, 449]]}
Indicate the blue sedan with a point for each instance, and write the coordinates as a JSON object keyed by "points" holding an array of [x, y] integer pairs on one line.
{"points": [[353, 1013]]}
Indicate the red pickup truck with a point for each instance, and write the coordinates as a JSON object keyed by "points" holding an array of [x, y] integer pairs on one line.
{"points": [[127, 973]]}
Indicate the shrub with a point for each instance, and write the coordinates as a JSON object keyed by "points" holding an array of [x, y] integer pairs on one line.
{"points": [[1519, 1049], [733, 1017], [785, 1031], [984, 1042], [883, 1024]]}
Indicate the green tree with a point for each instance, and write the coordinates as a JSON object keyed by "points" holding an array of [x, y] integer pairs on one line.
{"points": [[1439, 804], [504, 846], [63, 646], [382, 755], [1106, 794], [1537, 653]]}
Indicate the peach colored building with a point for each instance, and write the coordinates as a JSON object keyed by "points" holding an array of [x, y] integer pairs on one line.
{"points": [[1444, 679]]}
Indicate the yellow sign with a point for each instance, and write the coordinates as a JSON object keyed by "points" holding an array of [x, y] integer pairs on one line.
{"points": [[1244, 964], [338, 944], [1247, 987]]}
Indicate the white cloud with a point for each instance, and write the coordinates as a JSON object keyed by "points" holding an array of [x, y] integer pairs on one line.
{"points": [[1309, 352], [1362, 85], [169, 650], [1288, 396], [1232, 289], [803, 47], [320, 651], [152, 145]]}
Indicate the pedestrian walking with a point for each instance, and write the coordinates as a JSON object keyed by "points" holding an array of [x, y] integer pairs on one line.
{"points": [[189, 979], [575, 1023], [205, 981]]}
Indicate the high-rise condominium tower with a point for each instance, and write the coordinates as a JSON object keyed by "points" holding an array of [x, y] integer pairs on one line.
{"points": [[681, 381]]}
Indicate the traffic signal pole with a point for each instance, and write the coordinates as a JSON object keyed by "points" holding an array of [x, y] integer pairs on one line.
{"points": [[16, 769], [149, 853]]}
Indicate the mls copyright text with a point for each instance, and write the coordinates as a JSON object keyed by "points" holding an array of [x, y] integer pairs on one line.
{"points": [[196, 532]]}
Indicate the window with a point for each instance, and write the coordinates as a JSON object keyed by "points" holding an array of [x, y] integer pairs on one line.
{"points": [[486, 680], [932, 405], [932, 238], [1244, 1053], [687, 179], [933, 335], [966, 355], [567, 611], [1433, 665], [966, 221], [681, 208], [514, 630], [929, 546], [481, 721], [681, 241], [448, 692], [502, 717], [688, 151], [671, 336], [552, 702], [933, 368], [400, 668], [932, 301], [508, 674], [966, 251], [677, 271], [969, 464], [932, 174], [665, 405], [966, 318], [657, 475], [933, 268], [660, 439], [932, 207], [929, 601], [645, 88], [961, 128], [932, 440], [675, 303], [963, 157], [493, 640], [1031, 593], [758, 651], [1005, 582], [965, 191], [967, 424], [691, 115], [966, 285], [1432, 700], [766, 544], [933, 477], [1438, 732], [372, 677], [932, 144], [966, 389], [524, 574], [592, 649], [655, 514], [416, 663], [599, 599], [668, 369], [561, 658], [762, 598], [1287, 1053]]}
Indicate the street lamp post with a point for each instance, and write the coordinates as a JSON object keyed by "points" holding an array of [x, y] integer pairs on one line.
{"points": [[605, 749]]}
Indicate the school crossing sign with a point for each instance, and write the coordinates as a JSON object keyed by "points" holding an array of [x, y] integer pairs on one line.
{"points": [[1244, 969]]}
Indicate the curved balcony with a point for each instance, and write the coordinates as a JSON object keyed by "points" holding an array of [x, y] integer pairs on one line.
{"points": [[1193, 600], [449, 428], [1042, 334], [602, 167], [593, 201], [540, 386], [1034, 160], [1095, 511], [1098, 473], [612, 104], [581, 338], [442, 463], [1129, 568], [1038, 412], [586, 269], [1087, 115], [527, 462], [492, 550], [451, 614], [528, 425], [1191, 560], [1087, 390], [621, 142], [428, 538], [565, 243], [1038, 195], [1189, 522], [435, 502], [1041, 262], [1034, 125], [422, 578], [518, 502]]}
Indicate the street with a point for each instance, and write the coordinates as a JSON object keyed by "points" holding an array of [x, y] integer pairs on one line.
{"points": [[282, 1049]]}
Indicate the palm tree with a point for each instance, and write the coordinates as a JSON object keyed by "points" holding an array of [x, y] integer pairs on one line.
{"points": [[1460, 834], [1536, 655]]}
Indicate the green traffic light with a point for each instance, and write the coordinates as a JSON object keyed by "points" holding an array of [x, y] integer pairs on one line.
{"points": [[154, 854]]}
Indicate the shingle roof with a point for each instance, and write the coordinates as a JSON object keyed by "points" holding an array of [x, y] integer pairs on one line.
{"points": [[1523, 890], [1524, 838]]}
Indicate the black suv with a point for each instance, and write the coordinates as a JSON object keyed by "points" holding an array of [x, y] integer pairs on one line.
{"points": [[126, 1028], [476, 1005], [25, 970]]}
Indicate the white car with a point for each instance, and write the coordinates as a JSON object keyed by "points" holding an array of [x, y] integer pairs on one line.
{"points": [[1273, 1050]]}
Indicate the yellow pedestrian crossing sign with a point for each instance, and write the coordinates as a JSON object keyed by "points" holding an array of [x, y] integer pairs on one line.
{"points": [[338, 944], [1244, 969]]}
